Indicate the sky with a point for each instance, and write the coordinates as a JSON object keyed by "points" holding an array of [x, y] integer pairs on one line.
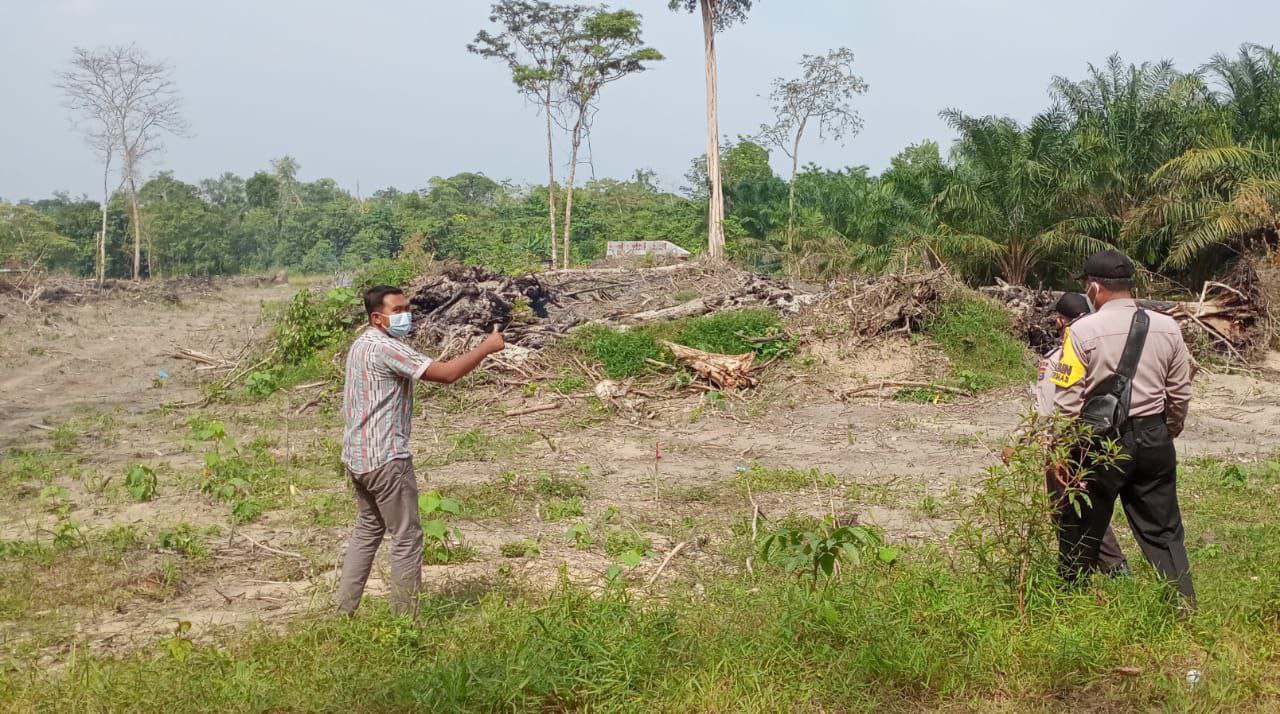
{"points": [[377, 93]]}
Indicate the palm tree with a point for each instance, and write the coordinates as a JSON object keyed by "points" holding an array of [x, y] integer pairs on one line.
{"points": [[1127, 121], [1216, 196], [998, 213], [1249, 91]]}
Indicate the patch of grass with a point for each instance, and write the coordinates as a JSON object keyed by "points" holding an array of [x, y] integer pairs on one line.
{"points": [[477, 445], [561, 509], [19, 466], [726, 332], [494, 499], [624, 540], [525, 548], [763, 478], [569, 383], [976, 335], [553, 485], [620, 354], [923, 632], [186, 540], [460, 553]]}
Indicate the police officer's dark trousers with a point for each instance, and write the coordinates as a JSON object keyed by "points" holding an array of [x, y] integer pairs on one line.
{"points": [[1146, 482]]}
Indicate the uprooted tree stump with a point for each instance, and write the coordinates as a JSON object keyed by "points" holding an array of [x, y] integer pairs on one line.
{"points": [[727, 372]]}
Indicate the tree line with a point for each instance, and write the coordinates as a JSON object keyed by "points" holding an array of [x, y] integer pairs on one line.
{"points": [[1178, 168]]}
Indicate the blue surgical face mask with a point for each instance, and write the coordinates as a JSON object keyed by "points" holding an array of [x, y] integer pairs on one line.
{"points": [[399, 324]]}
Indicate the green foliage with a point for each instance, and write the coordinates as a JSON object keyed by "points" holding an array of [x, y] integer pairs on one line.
{"points": [[819, 552], [553, 485], [621, 354], [977, 338], [729, 332], [386, 271], [246, 476], [622, 541], [141, 483], [762, 478], [442, 542], [929, 632], [310, 324], [561, 509], [519, 549], [184, 539]]}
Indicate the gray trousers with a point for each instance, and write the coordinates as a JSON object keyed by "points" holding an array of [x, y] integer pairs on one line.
{"points": [[387, 503]]}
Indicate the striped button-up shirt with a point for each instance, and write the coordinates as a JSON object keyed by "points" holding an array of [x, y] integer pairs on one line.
{"points": [[377, 400]]}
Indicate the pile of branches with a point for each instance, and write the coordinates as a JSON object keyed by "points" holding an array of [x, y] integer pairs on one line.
{"points": [[1228, 317], [1032, 311], [455, 307], [745, 290], [465, 302], [885, 304]]}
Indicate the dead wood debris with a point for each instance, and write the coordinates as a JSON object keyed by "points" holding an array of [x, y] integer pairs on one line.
{"points": [[1228, 317], [727, 372], [898, 302]]}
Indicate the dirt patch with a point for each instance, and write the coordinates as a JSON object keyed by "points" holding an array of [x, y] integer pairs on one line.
{"points": [[112, 352]]}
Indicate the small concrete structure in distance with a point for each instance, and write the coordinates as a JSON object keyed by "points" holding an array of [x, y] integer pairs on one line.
{"points": [[632, 248]]}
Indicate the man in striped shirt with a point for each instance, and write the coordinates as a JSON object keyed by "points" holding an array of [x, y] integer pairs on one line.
{"points": [[377, 408]]}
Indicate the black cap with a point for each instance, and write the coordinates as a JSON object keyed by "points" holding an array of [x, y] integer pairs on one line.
{"points": [[1107, 264], [1072, 305]]}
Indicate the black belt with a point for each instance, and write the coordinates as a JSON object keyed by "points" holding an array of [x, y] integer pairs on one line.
{"points": [[1142, 422]]}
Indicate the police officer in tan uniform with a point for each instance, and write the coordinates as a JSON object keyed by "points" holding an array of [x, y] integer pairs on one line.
{"points": [[1145, 478], [1069, 308]]}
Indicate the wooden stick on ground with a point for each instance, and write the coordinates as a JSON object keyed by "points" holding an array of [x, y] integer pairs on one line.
{"points": [[533, 410], [674, 552], [269, 549]]}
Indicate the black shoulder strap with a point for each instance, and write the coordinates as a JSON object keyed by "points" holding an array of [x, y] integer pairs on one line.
{"points": [[1133, 346]]}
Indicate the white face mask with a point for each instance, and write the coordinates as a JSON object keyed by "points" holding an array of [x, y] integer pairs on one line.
{"points": [[399, 324], [1088, 296]]}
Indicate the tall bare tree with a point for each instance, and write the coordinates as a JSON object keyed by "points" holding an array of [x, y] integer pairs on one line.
{"points": [[821, 96], [716, 16], [125, 100], [534, 42], [606, 47]]}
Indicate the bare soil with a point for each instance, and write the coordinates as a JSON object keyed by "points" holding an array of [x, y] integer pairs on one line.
{"points": [[94, 369]]}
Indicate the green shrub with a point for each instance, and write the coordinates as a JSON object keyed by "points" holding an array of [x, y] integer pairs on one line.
{"points": [[385, 271], [140, 482], [622, 354], [977, 336], [310, 323], [723, 332]]}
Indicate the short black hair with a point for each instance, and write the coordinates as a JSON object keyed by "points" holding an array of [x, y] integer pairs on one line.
{"points": [[1072, 305], [374, 297], [1112, 284]]}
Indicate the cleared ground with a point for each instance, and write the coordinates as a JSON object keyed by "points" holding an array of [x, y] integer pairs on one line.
{"points": [[82, 402]]}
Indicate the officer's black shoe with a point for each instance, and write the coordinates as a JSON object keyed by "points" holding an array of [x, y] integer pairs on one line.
{"points": [[1118, 571]]}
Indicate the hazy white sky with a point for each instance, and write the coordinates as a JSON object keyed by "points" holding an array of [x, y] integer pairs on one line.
{"points": [[383, 92]]}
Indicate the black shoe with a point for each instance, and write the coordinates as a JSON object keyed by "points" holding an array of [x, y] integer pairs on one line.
{"points": [[1118, 571]]}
